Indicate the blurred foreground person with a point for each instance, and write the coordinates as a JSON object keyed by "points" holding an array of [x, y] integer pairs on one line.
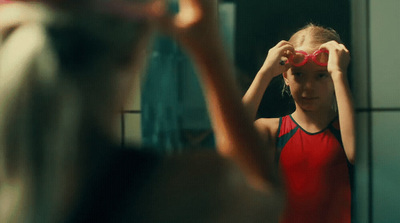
{"points": [[66, 68]]}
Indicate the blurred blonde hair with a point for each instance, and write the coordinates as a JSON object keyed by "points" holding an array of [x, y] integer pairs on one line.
{"points": [[63, 80]]}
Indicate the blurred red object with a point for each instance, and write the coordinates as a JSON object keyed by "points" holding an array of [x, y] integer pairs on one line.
{"points": [[5, 1]]}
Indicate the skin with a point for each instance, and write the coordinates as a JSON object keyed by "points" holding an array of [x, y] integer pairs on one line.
{"points": [[313, 88]]}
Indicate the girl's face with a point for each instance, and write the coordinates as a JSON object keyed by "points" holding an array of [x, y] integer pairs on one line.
{"points": [[310, 85]]}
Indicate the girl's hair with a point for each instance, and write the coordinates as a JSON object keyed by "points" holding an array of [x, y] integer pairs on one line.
{"points": [[56, 88], [314, 35]]}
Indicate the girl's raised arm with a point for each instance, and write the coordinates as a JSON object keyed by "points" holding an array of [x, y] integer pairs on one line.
{"points": [[196, 28], [272, 67], [339, 58]]}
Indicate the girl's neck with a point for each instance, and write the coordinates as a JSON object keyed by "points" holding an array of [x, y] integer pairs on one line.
{"points": [[313, 121]]}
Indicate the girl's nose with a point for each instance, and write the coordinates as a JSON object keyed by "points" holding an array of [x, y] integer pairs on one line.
{"points": [[308, 84]]}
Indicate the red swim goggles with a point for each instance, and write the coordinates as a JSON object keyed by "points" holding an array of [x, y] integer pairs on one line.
{"points": [[300, 57]]}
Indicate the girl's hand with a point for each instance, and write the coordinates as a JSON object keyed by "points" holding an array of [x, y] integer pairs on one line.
{"points": [[280, 51], [339, 57], [195, 26]]}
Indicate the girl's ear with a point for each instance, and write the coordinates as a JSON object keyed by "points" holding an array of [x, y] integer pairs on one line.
{"points": [[284, 74]]}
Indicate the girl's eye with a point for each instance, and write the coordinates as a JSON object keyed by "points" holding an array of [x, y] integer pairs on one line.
{"points": [[297, 74], [322, 75]]}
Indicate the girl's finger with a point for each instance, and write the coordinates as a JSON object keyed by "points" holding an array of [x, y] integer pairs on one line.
{"points": [[133, 11], [344, 48], [328, 45], [282, 42]]}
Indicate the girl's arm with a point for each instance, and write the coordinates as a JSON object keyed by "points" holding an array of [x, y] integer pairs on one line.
{"points": [[339, 59], [196, 28], [346, 114], [269, 69]]}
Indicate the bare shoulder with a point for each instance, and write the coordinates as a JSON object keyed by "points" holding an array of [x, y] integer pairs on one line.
{"points": [[267, 126]]}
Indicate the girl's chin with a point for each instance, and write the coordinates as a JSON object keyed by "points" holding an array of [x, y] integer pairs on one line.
{"points": [[308, 106]]}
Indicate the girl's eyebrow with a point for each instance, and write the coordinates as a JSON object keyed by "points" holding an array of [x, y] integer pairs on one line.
{"points": [[295, 68], [321, 71]]}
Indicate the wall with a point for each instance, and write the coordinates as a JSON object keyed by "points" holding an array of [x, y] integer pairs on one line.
{"points": [[376, 36]]}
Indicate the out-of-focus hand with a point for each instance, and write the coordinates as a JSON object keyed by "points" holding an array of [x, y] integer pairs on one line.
{"points": [[195, 26], [138, 11]]}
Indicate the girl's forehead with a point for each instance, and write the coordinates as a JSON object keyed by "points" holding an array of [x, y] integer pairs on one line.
{"points": [[308, 48]]}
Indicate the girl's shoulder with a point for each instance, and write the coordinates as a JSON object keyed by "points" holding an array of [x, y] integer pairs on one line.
{"points": [[268, 126]]}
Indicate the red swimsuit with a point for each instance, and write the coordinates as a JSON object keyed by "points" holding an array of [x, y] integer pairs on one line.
{"points": [[316, 173]]}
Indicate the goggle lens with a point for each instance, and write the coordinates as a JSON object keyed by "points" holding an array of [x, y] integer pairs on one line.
{"points": [[300, 58], [321, 58]]}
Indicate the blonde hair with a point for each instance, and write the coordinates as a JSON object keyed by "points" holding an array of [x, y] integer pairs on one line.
{"points": [[314, 34], [57, 88]]}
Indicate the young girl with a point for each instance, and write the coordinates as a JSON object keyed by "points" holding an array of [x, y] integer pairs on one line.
{"points": [[315, 143]]}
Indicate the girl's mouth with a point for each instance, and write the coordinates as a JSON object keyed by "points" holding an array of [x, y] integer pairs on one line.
{"points": [[309, 98]]}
